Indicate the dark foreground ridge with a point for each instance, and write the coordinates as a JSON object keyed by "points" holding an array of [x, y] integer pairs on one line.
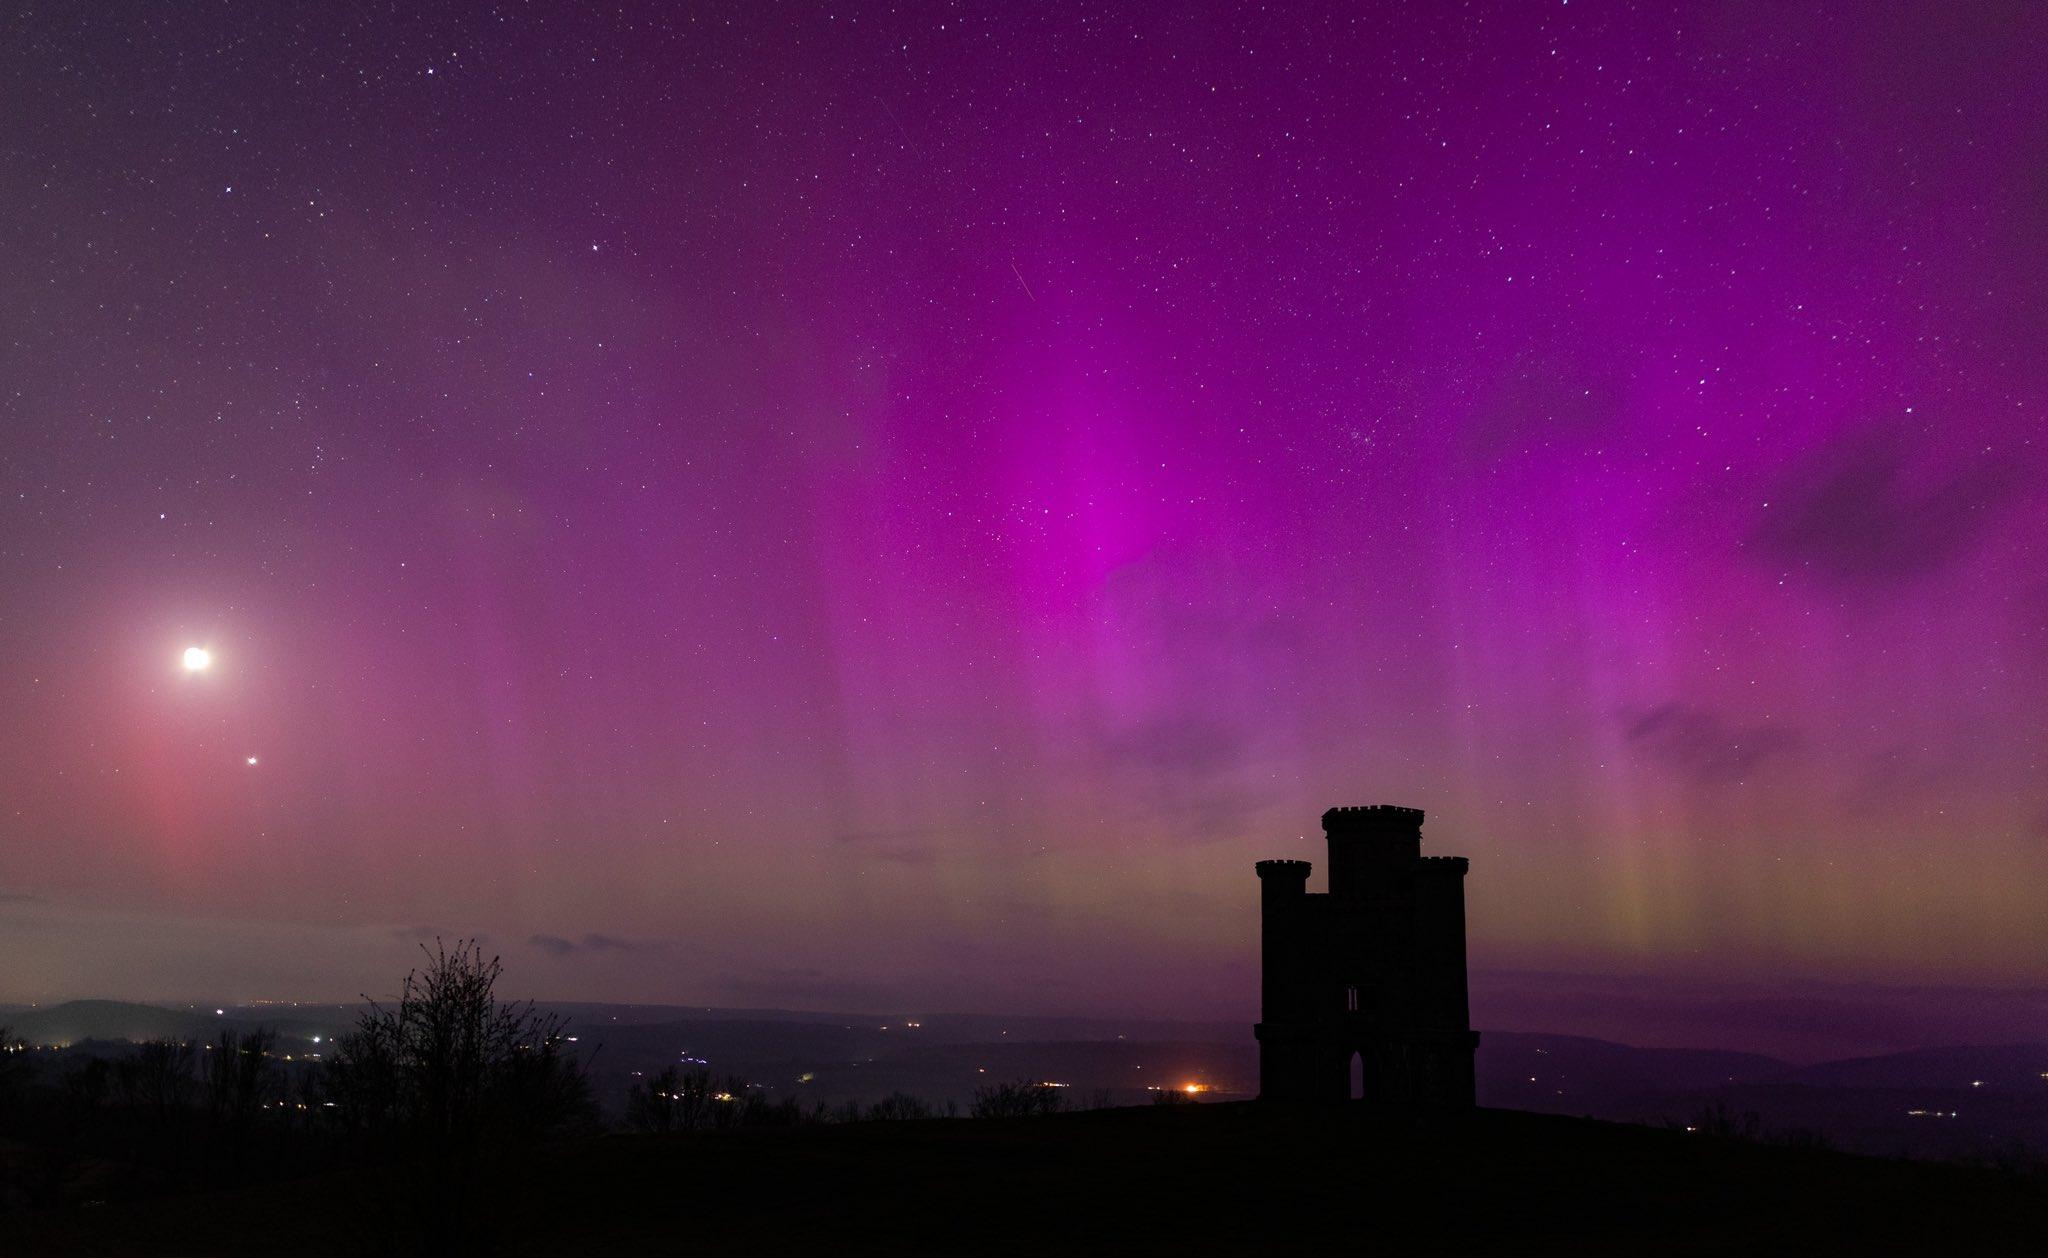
{"points": [[1226, 1178]]}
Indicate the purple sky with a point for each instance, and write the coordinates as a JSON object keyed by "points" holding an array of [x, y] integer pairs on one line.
{"points": [[899, 507]]}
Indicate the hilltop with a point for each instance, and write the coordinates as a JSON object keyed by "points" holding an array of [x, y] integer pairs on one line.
{"points": [[1188, 1178]]}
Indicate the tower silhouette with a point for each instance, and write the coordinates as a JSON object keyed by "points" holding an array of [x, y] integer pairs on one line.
{"points": [[1366, 980]]}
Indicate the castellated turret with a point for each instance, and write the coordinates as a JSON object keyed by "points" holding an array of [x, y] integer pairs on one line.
{"points": [[1363, 986]]}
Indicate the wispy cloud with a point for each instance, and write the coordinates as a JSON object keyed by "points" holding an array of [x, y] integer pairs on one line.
{"points": [[1861, 511], [557, 946], [1703, 747]]}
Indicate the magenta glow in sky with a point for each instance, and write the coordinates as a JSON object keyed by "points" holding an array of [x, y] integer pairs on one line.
{"points": [[901, 506]]}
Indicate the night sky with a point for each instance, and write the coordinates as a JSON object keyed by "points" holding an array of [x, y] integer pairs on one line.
{"points": [[898, 506]]}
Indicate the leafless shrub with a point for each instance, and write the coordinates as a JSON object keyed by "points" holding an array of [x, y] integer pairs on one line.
{"points": [[898, 1106], [1022, 1098], [697, 1100], [651, 1104], [693, 1100], [1717, 1121]]}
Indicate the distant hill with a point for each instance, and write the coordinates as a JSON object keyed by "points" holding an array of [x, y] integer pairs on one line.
{"points": [[1982, 1104], [963, 1028], [2003, 1066], [1569, 1074], [79, 1020], [1186, 1179], [115, 1021], [1959, 1102]]}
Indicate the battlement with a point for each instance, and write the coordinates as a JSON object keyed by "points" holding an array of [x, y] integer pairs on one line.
{"points": [[1283, 869], [1372, 817], [1444, 864]]}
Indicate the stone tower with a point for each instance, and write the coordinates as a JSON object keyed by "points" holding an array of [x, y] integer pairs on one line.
{"points": [[1372, 970]]}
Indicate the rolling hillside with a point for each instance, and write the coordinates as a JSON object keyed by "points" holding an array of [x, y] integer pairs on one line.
{"points": [[1176, 1179]]}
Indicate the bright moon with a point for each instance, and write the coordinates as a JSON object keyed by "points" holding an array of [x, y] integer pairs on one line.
{"points": [[197, 658]]}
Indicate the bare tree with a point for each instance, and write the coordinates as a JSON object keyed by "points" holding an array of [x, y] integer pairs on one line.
{"points": [[238, 1080], [156, 1080], [155, 1085], [82, 1097], [448, 1091], [1020, 1099]]}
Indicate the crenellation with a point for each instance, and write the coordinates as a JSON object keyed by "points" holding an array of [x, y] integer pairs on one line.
{"points": [[1283, 867], [1372, 812]]}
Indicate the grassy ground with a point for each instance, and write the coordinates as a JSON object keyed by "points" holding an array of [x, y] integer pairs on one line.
{"points": [[1184, 1179]]}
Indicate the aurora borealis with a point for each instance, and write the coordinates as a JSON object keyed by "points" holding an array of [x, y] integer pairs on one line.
{"points": [[898, 506]]}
